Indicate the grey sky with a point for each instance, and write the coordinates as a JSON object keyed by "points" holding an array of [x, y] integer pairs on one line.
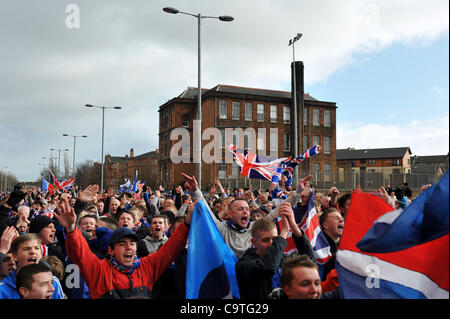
{"points": [[132, 54]]}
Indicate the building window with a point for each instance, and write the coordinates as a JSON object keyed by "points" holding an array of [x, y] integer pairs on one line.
{"points": [[316, 117], [236, 139], [286, 143], [235, 169], [286, 114], [341, 175], [327, 145], [372, 162], [222, 138], [327, 118], [222, 170], [273, 142], [222, 109], [248, 111], [235, 110], [305, 142], [327, 173], [362, 161], [396, 162], [305, 116], [317, 171], [261, 140], [273, 113], [260, 112], [248, 141], [316, 140]]}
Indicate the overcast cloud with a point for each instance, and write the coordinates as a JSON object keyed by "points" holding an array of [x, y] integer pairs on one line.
{"points": [[132, 54]]}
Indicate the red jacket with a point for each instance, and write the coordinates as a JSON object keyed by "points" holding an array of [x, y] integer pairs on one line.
{"points": [[105, 281]]}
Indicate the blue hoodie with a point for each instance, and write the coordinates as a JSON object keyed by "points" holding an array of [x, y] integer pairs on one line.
{"points": [[8, 288]]}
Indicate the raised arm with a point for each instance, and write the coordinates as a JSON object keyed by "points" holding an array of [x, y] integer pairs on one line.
{"points": [[191, 185]]}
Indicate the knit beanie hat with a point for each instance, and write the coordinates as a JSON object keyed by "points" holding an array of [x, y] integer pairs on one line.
{"points": [[40, 222]]}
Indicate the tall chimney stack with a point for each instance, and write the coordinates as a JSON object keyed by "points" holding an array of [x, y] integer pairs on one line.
{"points": [[300, 91]]}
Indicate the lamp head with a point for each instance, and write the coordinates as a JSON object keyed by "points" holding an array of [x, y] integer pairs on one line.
{"points": [[170, 10], [226, 18]]}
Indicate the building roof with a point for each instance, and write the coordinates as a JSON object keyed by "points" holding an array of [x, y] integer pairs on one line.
{"points": [[374, 153], [191, 92], [260, 92], [429, 159], [124, 159], [115, 159], [152, 154]]}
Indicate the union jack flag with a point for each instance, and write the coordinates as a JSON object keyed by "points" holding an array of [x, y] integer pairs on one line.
{"points": [[66, 184], [252, 165], [309, 224], [276, 176], [290, 165]]}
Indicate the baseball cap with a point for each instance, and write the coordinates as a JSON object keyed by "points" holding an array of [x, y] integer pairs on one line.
{"points": [[121, 233]]}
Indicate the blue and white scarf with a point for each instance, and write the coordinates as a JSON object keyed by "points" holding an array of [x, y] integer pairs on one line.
{"points": [[236, 227], [125, 269]]}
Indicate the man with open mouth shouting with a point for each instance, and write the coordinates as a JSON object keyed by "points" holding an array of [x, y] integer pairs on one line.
{"points": [[124, 275]]}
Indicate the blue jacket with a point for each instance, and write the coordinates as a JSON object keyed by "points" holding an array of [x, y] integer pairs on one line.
{"points": [[8, 288]]}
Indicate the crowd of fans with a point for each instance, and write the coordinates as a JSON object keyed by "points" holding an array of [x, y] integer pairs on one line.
{"points": [[81, 244]]}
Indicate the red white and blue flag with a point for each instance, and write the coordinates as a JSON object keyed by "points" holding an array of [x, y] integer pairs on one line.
{"points": [[66, 184], [387, 254], [53, 180], [309, 224], [290, 165], [253, 165], [286, 168]]}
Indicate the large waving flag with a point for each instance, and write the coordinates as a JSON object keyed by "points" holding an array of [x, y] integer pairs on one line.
{"points": [[252, 165], [134, 186], [126, 186], [54, 180], [210, 272], [420, 271], [425, 219], [309, 223], [286, 168]]}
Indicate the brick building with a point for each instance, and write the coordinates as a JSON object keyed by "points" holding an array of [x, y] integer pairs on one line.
{"points": [[119, 168], [372, 168], [266, 118]]}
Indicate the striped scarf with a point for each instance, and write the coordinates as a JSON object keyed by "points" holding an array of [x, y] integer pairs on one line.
{"points": [[125, 269], [236, 227]]}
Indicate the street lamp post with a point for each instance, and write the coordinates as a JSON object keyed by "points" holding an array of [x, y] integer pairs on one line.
{"points": [[291, 42], [198, 151], [103, 132], [74, 145], [59, 156]]}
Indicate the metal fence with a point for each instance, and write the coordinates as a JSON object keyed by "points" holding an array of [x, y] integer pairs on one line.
{"points": [[346, 181]]}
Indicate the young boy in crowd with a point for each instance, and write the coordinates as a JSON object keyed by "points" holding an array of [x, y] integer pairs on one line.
{"points": [[35, 281], [25, 250]]}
